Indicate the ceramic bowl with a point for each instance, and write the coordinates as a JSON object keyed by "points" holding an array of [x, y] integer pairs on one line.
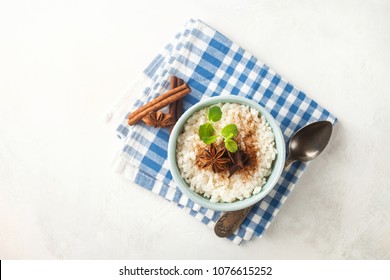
{"points": [[278, 164]]}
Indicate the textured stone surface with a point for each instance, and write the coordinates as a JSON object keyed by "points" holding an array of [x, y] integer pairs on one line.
{"points": [[63, 64]]}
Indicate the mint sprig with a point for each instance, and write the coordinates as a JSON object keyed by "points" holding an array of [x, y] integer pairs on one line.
{"points": [[210, 139], [207, 130], [231, 145], [229, 131], [215, 114]]}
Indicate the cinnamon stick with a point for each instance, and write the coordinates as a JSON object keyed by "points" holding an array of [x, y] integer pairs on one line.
{"points": [[158, 103], [179, 103], [156, 100], [172, 107], [175, 108]]}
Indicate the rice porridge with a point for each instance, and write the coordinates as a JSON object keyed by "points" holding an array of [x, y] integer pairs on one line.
{"points": [[255, 141]]}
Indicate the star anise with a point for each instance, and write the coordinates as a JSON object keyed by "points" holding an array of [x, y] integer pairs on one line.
{"points": [[239, 159], [214, 158], [158, 119]]}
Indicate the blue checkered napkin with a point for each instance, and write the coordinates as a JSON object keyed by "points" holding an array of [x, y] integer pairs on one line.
{"points": [[212, 65]]}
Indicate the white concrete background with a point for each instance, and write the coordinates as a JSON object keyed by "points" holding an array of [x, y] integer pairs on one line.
{"points": [[62, 63]]}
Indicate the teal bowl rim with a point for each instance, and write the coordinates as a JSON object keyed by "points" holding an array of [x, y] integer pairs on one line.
{"points": [[278, 164]]}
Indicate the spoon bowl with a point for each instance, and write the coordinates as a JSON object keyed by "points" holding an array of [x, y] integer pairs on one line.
{"points": [[309, 142]]}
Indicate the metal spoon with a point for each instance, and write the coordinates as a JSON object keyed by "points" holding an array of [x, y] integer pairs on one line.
{"points": [[305, 145]]}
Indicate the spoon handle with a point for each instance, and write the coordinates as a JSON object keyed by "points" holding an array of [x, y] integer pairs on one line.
{"points": [[288, 162], [230, 221]]}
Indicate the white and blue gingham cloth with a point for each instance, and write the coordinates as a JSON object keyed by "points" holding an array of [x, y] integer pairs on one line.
{"points": [[212, 65]]}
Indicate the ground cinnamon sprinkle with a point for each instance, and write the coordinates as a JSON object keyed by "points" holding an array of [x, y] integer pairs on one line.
{"points": [[251, 150], [247, 143]]}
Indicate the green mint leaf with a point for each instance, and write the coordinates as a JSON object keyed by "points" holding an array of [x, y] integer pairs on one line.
{"points": [[206, 130], [229, 131], [228, 136], [231, 145], [215, 114], [209, 140]]}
